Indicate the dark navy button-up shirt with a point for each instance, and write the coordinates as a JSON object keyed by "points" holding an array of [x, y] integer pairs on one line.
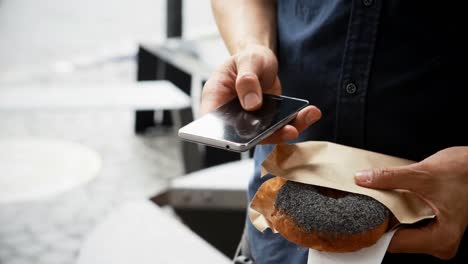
{"points": [[389, 76]]}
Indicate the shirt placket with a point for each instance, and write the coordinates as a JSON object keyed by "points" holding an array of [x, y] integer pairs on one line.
{"points": [[355, 72]]}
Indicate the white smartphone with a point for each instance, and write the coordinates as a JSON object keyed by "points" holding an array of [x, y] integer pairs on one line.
{"points": [[232, 128]]}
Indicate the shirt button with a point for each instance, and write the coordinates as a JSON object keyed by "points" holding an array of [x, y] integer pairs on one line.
{"points": [[351, 88], [367, 2]]}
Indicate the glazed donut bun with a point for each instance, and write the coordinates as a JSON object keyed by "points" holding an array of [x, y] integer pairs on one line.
{"points": [[327, 219]]}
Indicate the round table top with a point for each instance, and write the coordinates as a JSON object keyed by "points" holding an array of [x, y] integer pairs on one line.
{"points": [[32, 168]]}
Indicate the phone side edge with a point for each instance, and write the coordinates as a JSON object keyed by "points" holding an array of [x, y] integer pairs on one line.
{"points": [[216, 143]]}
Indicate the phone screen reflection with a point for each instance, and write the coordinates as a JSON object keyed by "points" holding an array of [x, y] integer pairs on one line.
{"points": [[242, 126]]}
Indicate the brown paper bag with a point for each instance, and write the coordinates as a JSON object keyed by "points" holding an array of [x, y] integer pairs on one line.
{"points": [[331, 165]]}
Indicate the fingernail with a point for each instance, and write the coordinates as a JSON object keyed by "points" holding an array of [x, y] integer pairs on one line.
{"points": [[310, 118], [251, 100], [364, 176]]}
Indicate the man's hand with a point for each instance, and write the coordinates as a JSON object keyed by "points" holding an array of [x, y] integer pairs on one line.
{"points": [[247, 74], [442, 181]]}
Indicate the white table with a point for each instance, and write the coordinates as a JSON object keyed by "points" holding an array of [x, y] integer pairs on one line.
{"points": [[32, 169], [140, 232], [145, 95], [219, 187]]}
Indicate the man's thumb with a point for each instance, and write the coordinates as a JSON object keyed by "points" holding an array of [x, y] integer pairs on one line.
{"points": [[257, 71], [249, 91], [405, 177]]}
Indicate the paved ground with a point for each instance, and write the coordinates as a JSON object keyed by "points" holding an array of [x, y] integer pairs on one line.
{"points": [[50, 231], [56, 41]]}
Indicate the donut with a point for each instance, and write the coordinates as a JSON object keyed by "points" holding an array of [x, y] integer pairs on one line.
{"points": [[327, 219]]}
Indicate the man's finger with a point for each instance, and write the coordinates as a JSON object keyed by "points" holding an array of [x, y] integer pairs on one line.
{"points": [[215, 94], [220, 87], [249, 91], [424, 240], [284, 134], [411, 240], [306, 117], [405, 177], [256, 71]]}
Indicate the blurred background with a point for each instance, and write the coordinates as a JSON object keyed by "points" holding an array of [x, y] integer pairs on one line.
{"points": [[92, 94]]}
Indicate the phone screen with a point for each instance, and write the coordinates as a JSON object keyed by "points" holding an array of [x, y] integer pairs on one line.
{"points": [[231, 122]]}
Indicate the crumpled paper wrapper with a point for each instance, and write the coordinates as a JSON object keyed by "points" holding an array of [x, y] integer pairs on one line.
{"points": [[332, 165]]}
